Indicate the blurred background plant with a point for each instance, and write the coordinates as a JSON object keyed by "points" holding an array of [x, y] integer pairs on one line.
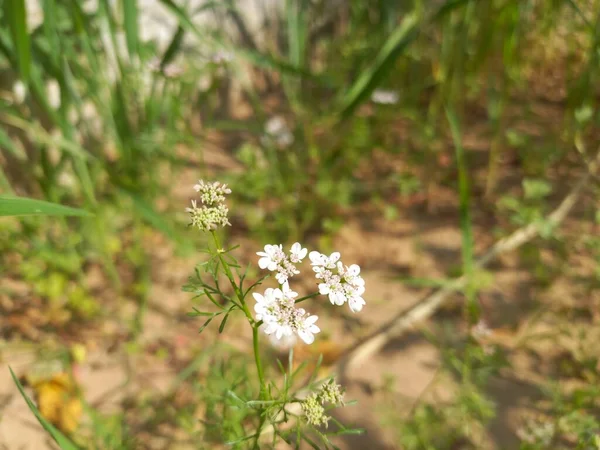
{"points": [[319, 115]]}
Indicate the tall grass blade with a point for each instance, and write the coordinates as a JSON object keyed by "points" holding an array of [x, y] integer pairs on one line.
{"points": [[22, 206], [173, 47], [64, 442], [465, 216], [130, 21], [17, 22], [296, 31], [148, 213], [368, 80], [7, 143]]}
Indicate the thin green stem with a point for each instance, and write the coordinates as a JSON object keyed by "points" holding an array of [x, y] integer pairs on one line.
{"points": [[255, 325], [255, 445], [306, 297], [259, 368]]}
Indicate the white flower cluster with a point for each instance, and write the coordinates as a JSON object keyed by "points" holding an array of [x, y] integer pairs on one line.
{"points": [[275, 259], [212, 212], [341, 283], [276, 308]]}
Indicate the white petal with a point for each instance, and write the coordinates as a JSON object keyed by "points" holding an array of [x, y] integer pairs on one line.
{"points": [[306, 336], [311, 320], [356, 303], [334, 257], [316, 258], [338, 298], [258, 297], [354, 269], [270, 328], [281, 277], [264, 262]]}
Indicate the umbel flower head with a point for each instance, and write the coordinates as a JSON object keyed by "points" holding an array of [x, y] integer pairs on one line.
{"points": [[276, 260], [276, 309], [212, 212], [312, 406], [340, 282]]}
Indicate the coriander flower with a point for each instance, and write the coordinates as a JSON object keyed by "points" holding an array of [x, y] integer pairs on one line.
{"points": [[275, 259], [314, 412], [331, 392], [276, 309], [212, 211], [341, 283], [312, 406]]}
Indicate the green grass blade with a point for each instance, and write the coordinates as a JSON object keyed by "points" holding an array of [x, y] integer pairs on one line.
{"points": [[64, 442], [130, 21], [17, 22], [296, 31], [465, 216], [368, 80], [148, 213], [50, 29], [21, 206], [83, 173], [7, 143], [173, 47]]}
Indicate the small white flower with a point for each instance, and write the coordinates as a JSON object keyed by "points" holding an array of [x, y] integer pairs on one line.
{"points": [[270, 257], [307, 329], [275, 260], [356, 303], [264, 307], [297, 253], [384, 97], [276, 309], [320, 260], [343, 285]]}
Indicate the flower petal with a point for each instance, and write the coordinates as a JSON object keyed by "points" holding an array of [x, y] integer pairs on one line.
{"points": [[306, 336]]}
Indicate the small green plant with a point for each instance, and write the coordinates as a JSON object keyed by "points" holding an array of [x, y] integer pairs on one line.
{"points": [[278, 315]]}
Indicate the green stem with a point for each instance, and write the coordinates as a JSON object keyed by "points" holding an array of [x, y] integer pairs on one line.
{"points": [[259, 368], [257, 435], [253, 323], [306, 297]]}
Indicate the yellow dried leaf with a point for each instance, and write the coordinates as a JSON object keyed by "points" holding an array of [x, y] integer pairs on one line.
{"points": [[58, 401]]}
